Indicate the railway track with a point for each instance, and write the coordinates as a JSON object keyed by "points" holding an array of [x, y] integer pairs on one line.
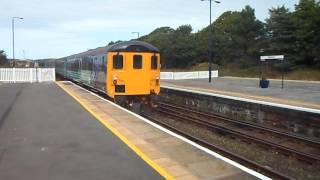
{"points": [[313, 142], [240, 159], [285, 143], [236, 157]]}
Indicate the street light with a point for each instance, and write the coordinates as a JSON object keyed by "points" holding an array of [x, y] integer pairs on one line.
{"points": [[13, 58], [137, 33], [210, 40]]}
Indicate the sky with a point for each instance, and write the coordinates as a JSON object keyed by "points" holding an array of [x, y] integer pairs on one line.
{"points": [[57, 28]]}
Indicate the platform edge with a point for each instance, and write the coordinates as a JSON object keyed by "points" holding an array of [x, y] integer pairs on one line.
{"points": [[137, 150]]}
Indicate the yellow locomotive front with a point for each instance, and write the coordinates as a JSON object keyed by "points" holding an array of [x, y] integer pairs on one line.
{"points": [[133, 72]]}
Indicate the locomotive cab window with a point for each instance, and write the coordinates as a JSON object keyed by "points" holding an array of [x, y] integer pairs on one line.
{"points": [[137, 62], [154, 62], [117, 62]]}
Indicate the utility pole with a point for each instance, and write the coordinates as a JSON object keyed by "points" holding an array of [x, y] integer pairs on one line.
{"points": [[13, 58], [138, 33], [210, 39], [24, 54]]}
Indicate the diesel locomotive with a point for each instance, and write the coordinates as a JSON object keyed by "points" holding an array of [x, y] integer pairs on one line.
{"points": [[128, 72]]}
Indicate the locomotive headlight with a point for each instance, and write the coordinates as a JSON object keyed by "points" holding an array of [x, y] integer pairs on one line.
{"points": [[115, 80]]}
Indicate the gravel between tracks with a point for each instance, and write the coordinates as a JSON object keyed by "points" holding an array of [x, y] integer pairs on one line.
{"points": [[266, 157]]}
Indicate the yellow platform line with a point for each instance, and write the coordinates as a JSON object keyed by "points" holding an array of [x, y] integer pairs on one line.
{"points": [[164, 173]]}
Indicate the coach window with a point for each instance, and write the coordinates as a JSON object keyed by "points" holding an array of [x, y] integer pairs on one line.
{"points": [[154, 62], [137, 62], [117, 62]]}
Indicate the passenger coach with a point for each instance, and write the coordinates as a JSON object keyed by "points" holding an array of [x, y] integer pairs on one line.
{"points": [[128, 71]]}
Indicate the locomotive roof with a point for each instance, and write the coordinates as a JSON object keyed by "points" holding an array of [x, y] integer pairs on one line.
{"points": [[126, 46], [133, 46]]}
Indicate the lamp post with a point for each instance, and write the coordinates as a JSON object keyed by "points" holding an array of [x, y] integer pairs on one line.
{"points": [[210, 39], [13, 58], [138, 33]]}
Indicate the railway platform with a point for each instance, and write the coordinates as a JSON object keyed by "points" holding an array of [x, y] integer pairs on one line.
{"points": [[62, 131], [45, 134], [300, 94], [171, 155]]}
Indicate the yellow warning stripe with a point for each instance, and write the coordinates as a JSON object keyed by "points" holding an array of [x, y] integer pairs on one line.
{"points": [[137, 150]]}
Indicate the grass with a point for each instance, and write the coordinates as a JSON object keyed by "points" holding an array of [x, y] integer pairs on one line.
{"points": [[305, 74], [297, 73]]}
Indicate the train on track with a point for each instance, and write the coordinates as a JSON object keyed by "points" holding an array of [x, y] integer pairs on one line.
{"points": [[128, 72]]}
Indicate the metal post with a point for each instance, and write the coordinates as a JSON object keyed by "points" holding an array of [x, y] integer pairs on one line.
{"points": [[210, 45], [30, 71], [260, 72], [138, 33], [24, 54], [37, 75], [13, 58], [282, 69]]}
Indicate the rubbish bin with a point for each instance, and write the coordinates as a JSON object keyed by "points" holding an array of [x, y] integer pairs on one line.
{"points": [[264, 83]]}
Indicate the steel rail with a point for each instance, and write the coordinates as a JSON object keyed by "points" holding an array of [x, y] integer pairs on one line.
{"points": [[251, 125], [240, 159], [283, 149]]}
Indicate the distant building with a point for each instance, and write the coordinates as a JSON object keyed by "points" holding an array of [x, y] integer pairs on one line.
{"points": [[24, 64]]}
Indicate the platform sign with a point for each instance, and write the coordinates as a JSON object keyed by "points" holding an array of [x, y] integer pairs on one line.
{"points": [[273, 57], [278, 57]]}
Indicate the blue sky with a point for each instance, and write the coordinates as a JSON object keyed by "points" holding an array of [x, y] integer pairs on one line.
{"points": [[56, 28]]}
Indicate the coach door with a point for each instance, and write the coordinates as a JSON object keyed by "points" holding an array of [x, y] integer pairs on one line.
{"points": [[95, 69]]}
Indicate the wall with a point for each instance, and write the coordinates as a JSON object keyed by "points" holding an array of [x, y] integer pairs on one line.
{"points": [[296, 121]]}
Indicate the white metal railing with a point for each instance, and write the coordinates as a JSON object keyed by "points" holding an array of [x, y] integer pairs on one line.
{"points": [[187, 75], [16, 75]]}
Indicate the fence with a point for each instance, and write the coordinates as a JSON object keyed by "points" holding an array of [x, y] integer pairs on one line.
{"points": [[187, 75], [17, 75]]}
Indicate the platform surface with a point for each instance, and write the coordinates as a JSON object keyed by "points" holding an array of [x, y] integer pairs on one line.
{"points": [[46, 134], [175, 157], [296, 93]]}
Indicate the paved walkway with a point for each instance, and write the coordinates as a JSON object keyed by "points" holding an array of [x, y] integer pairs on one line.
{"points": [[46, 134]]}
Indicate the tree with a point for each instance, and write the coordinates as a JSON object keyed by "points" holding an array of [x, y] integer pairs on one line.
{"points": [[280, 36], [237, 37], [183, 46], [250, 33], [306, 20], [225, 40], [160, 38], [110, 43], [3, 58], [177, 46]]}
